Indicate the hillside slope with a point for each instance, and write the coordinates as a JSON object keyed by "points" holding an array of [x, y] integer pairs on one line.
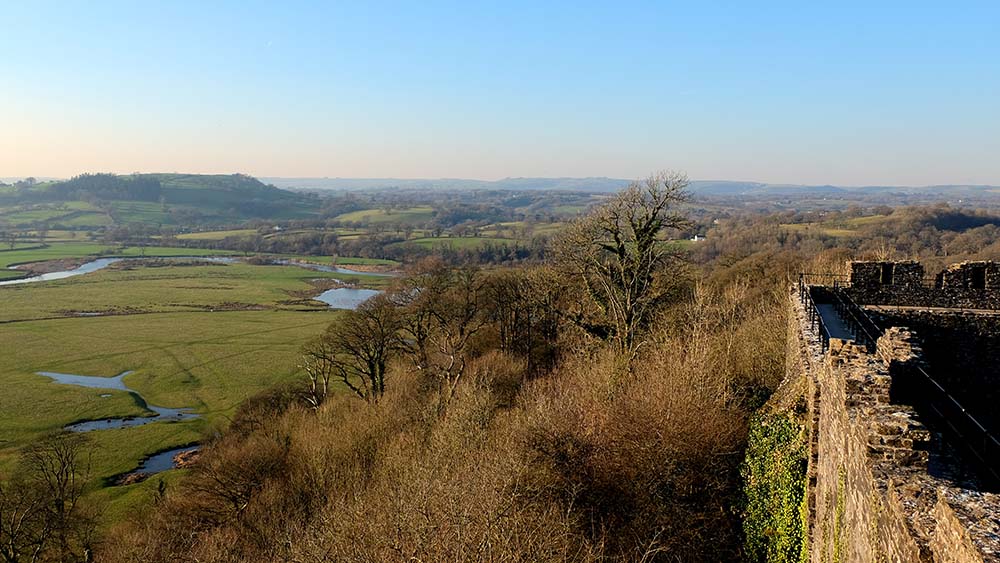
{"points": [[95, 200]]}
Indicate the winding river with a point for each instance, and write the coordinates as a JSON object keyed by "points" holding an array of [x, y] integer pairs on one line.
{"points": [[101, 263], [116, 383], [86, 268], [154, 464], [338, 298]]}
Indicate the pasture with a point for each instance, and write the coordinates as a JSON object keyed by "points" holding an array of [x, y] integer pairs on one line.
{"points": [[196, 335], [409, 215]]}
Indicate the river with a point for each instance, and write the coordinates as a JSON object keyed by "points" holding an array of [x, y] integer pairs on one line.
{"points": [[117, 383], [101, 263]]}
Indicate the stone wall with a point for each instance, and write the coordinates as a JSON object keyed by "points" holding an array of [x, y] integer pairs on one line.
{"points": [[969, 285], [961, 349], [874, 274], [970, 275], [872, 497], [946, 297]]}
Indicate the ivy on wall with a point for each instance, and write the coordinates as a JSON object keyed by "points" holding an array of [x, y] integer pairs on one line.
{"points": [[774, 477]]}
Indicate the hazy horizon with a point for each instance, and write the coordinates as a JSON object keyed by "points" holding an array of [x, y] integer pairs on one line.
{"points": [[784, 93], [269, 178]]}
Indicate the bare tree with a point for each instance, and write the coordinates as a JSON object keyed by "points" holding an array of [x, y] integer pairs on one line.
{"points": [[355, 350], [445, 310], [24, 530], [41, 512], [521, 306], [619, 255]]}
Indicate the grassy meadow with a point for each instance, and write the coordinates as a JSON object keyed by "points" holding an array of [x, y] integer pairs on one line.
{"points": [[196, 335], [63, 250], [409, 215], [128, 289]]}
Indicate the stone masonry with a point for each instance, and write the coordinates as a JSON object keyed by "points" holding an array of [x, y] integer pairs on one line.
{"points": [[872, 496], [969, 285]]}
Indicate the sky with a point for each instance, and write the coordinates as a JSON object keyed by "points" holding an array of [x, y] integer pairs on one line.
{"points": [[847, 93]]}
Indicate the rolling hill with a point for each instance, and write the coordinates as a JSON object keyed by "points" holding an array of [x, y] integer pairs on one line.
{"points": [[96, 200]]}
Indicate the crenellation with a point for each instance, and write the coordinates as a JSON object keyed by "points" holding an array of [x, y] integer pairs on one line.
{"points": [[877, 274], [971, 275], [967, 285]]}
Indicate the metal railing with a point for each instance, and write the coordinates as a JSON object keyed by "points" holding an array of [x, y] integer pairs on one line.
{"points": [[864, 330], [815, 318], [823, 279]]}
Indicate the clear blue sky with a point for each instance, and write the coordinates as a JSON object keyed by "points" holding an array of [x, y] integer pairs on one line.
{"points": [[806, 92]]}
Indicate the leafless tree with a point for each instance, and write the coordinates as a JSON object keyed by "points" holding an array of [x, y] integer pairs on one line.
{"points": [[618, 254], [521, 306], [355, 350], [444, 312], [41, 512], [24, 530]]}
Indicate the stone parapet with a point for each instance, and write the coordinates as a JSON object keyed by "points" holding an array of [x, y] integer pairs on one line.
{"points": [[872, 493]]}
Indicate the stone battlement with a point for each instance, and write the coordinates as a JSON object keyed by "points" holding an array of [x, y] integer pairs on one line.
{"points": [[970, 285], [880, 483]]}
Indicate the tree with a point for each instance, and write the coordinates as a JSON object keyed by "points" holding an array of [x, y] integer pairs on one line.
{"points": [[445, 310], [9, 238], [23, 529], [618, 254], [520, 305], [41, 510], [356, 351]]}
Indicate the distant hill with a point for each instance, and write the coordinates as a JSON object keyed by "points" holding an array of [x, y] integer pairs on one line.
{"points": [[599, 185], [754, 189], [166, 199], [715, 188]]}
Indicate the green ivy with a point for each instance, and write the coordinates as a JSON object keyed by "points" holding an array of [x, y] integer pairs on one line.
{"points": [[774, 478]]}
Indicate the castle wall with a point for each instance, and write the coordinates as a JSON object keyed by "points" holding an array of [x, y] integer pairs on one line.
{"points": [[961, 350], [870, 493], [866, 445], [968, 285]]}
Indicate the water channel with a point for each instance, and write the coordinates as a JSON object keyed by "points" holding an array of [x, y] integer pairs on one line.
{"points": [[338, 298], [117, 383]]}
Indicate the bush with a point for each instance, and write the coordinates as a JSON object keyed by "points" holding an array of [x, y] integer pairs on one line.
{"points": [[774, 473]]}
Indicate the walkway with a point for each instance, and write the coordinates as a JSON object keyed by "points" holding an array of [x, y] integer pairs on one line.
{"points": [[832, 321]]}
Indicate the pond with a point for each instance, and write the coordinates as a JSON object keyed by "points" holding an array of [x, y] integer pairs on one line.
{"points": [[163, 460], [346, 297]]}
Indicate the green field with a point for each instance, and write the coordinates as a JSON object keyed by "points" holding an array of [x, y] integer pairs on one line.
{"points": [[146, 289], [51, 212], [851, 227], [62, 250], [522, 229], [458, 242], [342, 260], [208, 361], [217, 235], [200, 336], [152, 213], [819, 229], [409, 215]]}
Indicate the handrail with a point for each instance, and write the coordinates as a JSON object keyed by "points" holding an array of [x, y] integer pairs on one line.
{"points": [[815, 318]]}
